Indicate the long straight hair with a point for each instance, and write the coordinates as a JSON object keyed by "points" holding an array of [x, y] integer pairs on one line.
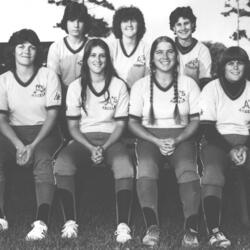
{"points": [[176, 112], [109, 71]]}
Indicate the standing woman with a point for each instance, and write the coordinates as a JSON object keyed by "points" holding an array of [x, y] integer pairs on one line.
{"points": [[164, 116], [225, 119], [97, 110], [128, 51], [30, 96], [65, 56], [194, 57]]}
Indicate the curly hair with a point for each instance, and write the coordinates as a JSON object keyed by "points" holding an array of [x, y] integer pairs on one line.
{"points": [[231, 54], [128, 13], [185, 12], [176, 112], [20, 37], [109, 70], [76, 11]]}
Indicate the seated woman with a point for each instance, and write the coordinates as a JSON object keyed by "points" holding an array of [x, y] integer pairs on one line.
{"points": [[30, 96], [97, 110], [164, 116], [225, 118]]}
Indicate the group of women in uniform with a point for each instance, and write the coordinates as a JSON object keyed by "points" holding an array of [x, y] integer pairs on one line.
{"points": [[95, 90]]}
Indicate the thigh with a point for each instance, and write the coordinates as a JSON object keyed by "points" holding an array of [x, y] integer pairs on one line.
{"points": [[71, 157], [148, 159], [117, 156]]}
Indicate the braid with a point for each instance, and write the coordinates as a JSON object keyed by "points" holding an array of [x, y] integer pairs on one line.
{"points": [[151, 111], [177, 115]]}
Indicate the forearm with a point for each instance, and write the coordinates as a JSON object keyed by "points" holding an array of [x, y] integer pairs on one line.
{"points": [[8, 131], [188, 132], [138, 130], [115, 135], [47, 127]]}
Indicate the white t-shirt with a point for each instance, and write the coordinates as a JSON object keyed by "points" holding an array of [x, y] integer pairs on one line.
{"points": [[101, 114], [65, 61], [163, 102], [201, 53], [231, 116], [27, 105], [129, 67]]}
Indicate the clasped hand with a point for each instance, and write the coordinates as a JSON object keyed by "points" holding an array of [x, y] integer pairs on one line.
{"points": [[24, 154], [167, 146], [97, 154], [238, 155]]}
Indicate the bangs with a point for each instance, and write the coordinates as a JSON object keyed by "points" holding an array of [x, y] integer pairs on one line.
{"points": [[234, 54], [23, 36]]}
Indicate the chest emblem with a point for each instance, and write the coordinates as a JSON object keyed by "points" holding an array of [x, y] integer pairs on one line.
{"points": [[110, 104], [246, 107], [39, 91]]}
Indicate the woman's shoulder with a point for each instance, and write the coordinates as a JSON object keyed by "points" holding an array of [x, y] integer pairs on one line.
{"points": [[142, 83], [5, 77]]}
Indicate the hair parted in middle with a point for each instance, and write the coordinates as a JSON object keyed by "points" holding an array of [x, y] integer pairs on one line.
{"points": [[185, 12], [128, 13], [153, 69], [109, 70], [20, 37], [76, 11]]}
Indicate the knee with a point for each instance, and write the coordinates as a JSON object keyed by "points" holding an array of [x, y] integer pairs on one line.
{"points": [[44, 174], [64, 166], [148, 170], [213, 176], [186, 173]]}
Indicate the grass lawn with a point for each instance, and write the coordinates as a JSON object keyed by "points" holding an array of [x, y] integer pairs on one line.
{"points": [[97, 218]]}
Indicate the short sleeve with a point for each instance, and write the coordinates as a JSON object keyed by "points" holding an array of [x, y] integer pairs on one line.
{"points": [[205, 63], [207, 104], [136, 100], [121, 111], [3, 97], [53, 92], [53, 60], [73, 101]]}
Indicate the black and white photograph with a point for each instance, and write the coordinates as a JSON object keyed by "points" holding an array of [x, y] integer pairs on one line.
{"points": [[125, 124]]}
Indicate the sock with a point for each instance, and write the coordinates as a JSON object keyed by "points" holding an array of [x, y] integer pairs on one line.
{"points": [[124, 197], [147, 191], [2, 189], [192, 223], [43, 212], [44, 193], [212, 210], [66, 194], [190, 198]]}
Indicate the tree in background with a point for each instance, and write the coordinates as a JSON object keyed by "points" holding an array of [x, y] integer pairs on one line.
{"points": [[99, 27], [241, 8]]}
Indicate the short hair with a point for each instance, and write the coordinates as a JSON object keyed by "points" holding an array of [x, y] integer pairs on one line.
{"points": [[20, 37], [128, 13], [185, 12], [76, 11], [231, 54]]}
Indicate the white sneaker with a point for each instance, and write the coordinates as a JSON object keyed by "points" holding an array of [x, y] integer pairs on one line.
{"points": [[152, 237], [70, 230], [3, 224], [123, 233], [38, 232], [218, 239], [190, 239]]}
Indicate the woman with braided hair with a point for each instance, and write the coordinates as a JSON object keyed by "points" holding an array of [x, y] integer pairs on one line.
{"points": [[164, 116]]}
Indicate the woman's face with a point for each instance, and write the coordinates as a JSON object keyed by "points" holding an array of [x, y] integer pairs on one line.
{"points": [[129, 28], [183, 28], [234, 70], [75, 28], [25, 54], [97, 60], [164, 57]]}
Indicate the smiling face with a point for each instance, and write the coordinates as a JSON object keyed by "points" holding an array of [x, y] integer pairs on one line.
{"points": [[234, 70], [183, 28], [129, 28], [164, 57], [75, 28], [25, 54], [97, 60]]}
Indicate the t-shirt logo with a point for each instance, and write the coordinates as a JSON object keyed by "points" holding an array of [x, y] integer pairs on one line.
{"points": [[110, 104], [39, 91], [246, 107], [79, 62], [141, 60], [181, 97]]}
